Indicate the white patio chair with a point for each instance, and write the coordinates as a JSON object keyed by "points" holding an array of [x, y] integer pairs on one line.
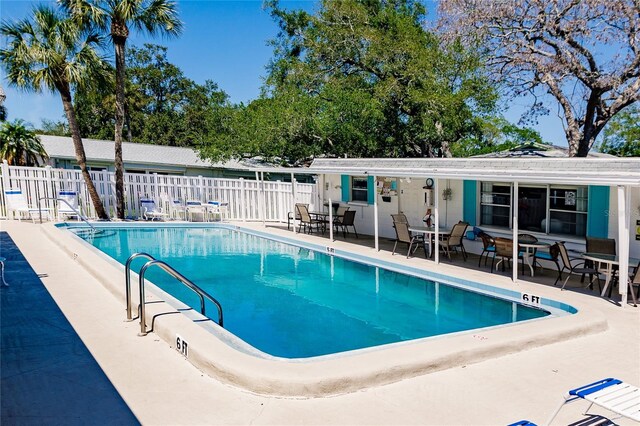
{"points": [[69, 208], [150, 210], [195, 207], [17, 204]]}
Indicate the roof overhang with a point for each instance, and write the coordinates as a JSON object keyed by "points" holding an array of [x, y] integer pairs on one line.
{"points": [[572, 171]]}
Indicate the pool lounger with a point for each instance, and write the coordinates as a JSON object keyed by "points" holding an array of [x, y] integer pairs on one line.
{"points": [[523, 423], [612, 394]]}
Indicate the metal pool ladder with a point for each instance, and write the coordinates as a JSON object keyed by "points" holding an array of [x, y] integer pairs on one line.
{"points": [[82, 218], [171, 271]]}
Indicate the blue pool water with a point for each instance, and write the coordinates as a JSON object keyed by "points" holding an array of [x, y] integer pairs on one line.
{"points": [[293, 302]]}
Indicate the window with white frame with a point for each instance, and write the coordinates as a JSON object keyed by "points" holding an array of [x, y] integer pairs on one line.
{"points": [[550, 209], [495, 204], [359, 189]]}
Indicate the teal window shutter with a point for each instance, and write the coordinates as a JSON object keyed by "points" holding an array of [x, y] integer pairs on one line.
{"points": [[346, 188], [598, 211], [469, 201], [371, 190]]}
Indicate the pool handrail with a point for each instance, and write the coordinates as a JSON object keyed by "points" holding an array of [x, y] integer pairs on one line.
{"points": [[84, 219], [127, 279], [177, 275]]}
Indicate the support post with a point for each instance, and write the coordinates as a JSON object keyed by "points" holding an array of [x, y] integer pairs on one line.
{"points": [[624, 216], [243, 200], [330, 222], [293, 203], [264, 200], [514, 275], [375, 214], [436, 207]]}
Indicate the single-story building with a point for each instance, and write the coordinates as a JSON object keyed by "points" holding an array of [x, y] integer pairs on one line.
{"points": [[148, 159], [554, 199]]}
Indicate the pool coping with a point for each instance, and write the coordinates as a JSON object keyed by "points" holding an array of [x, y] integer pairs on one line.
{"points": [[327, 375]]}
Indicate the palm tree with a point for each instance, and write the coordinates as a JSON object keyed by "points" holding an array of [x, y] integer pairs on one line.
{"points": [[116, 17], [19, 145], [51, 51]]}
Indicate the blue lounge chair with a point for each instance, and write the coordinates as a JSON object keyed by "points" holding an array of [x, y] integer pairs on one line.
{"points": [[522, 423], [612, 394]]}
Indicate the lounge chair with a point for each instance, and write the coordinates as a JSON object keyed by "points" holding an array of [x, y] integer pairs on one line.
{"points": [[177, 210], [69, 206], [522, 423], [217, 208], [194, 207], [17, 204], [578, 268], [403, 235], [150, 210], [346, 220], [611, 394], [453, 240]]}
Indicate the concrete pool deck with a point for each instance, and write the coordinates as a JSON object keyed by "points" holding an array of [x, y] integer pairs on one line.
{"points": [[161, 387]]}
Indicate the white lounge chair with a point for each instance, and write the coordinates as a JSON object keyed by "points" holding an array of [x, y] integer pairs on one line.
{"points": [[17, 204], [217, 208], [69, 208], [195, 207], [177, 210], [150, 210], [612, 394]]}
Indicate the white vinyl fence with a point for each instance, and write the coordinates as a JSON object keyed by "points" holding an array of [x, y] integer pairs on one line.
{"points": [[242, 195]]}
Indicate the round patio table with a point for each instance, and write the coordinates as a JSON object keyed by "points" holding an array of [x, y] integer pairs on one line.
{"points": [[529, 253]]}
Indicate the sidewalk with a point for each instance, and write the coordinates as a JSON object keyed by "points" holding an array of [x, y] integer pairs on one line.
{"points": [[48, 375]]}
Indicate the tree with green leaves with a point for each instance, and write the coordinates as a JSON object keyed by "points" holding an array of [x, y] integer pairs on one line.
{"points": [[622, 134], [20, 145], [116, 17], [50, 51], [162, 107], [361, 78]]}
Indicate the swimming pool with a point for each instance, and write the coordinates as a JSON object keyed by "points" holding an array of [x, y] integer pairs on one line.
{"points": [[293, 302]]}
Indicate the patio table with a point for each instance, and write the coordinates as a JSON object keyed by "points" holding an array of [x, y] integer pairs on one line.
{"points": [[428, 231], [529, 251], [605, 263]]}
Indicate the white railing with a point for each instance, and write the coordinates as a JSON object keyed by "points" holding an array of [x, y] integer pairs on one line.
{"points": [[241, 194]]}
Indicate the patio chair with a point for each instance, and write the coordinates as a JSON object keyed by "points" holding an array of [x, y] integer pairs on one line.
{"points": [[150, 210], [552, 255], [345, 221], [306, 221], [17, 204], [488, 246], [194, 207], [579, 268], [454, 240], [400, 217], [611, 394], [403, 235], [599, 245], [504, 250], [290, 216], [69, 207]]}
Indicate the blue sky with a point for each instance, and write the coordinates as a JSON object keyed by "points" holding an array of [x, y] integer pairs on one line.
{"points": [[223, 41]]}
